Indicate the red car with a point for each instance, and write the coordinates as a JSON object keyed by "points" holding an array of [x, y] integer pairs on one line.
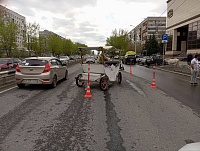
{"points": [[8, 63]]}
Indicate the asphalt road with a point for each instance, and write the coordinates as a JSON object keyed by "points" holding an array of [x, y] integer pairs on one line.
{"points": [[127, 117], [175, 84]]}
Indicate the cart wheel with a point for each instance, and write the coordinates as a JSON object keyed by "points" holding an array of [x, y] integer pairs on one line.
{"points": [[103, 83], [119, 77], [79, 82]]}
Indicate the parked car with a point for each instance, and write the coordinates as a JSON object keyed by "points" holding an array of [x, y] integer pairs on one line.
{"points": [[8, 63], [90, 59], [143, 60], [127, 59], [138, 59], [155, 60], [116, 57], [64, 59], [72, 57], [40, 70]]}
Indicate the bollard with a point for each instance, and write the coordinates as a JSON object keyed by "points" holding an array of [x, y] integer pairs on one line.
{"points": [[130, 67], [88, 94], [153, 85]]}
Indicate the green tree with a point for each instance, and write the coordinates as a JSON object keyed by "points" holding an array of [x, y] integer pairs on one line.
{"points": [[77, 51], [68, 47], [41, 45], [119, 39], [31, 32], [54, 44], [160, 47], [35, 46], [8, 34], [151, 45]]}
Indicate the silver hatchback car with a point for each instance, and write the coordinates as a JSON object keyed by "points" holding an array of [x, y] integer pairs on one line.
{"points": [[40, 70]]}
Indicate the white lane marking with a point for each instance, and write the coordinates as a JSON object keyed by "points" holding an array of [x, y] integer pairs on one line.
{"points": [[136, 88], [8, 89]]}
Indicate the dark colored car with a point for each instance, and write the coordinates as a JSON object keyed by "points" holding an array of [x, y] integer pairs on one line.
{"points": [[129, 59], [8, 63], [154, 60]]}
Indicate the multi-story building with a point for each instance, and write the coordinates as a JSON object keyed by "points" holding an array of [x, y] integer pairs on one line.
{"points": [[148, 27], [183, 27], [19, 20], [47, 34]]}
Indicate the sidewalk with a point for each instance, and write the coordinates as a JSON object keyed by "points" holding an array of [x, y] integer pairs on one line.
{"points": [[180, 69]]}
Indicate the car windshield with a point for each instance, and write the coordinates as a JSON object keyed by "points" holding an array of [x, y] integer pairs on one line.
{"points": [[33, 62], [64, 57]]}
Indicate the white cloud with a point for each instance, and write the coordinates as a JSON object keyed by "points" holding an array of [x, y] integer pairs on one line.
{"points": [[90, 21]]}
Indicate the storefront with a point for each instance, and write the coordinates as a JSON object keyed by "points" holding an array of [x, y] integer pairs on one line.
{"points": [[183, 27]]}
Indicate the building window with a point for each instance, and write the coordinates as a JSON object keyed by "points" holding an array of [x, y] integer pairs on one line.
{"points": [[194, 35]]}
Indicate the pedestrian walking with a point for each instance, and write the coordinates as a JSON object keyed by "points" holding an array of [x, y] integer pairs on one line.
{"points": [[194, 70]]}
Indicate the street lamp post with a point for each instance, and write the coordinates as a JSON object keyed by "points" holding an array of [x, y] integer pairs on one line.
{"points": [[135, 33]]}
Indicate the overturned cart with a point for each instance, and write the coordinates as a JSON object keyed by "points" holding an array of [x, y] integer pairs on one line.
{"points": [[101, 73]]}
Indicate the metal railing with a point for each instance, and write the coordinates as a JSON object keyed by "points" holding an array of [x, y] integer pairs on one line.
{"points": [[7, 77]]}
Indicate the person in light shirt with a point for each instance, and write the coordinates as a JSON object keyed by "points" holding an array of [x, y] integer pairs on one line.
{"points": [[194, 70]]}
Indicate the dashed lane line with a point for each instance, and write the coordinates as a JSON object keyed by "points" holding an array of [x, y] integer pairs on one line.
{"points": [[7, 89], [136, 88]]}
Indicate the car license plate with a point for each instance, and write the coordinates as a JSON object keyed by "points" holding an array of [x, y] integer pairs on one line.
{"points": [[31, 81]]}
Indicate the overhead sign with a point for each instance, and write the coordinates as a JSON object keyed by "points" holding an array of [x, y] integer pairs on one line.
{"points": [[164, 38]]}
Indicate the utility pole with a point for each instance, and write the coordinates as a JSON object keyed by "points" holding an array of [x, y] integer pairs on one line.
{"points": [[163, 54], [135, 37]]}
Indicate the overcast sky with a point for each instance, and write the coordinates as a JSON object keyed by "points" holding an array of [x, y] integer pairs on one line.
{"points": [[86, 21]]}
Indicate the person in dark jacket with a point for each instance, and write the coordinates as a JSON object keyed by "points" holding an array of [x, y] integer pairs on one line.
{"points": [[189, 58]]}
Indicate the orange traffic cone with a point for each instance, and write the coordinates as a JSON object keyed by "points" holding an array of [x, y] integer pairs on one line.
{"points": [[88, 94], [131, 67], [153, 85], [131, 71]]}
